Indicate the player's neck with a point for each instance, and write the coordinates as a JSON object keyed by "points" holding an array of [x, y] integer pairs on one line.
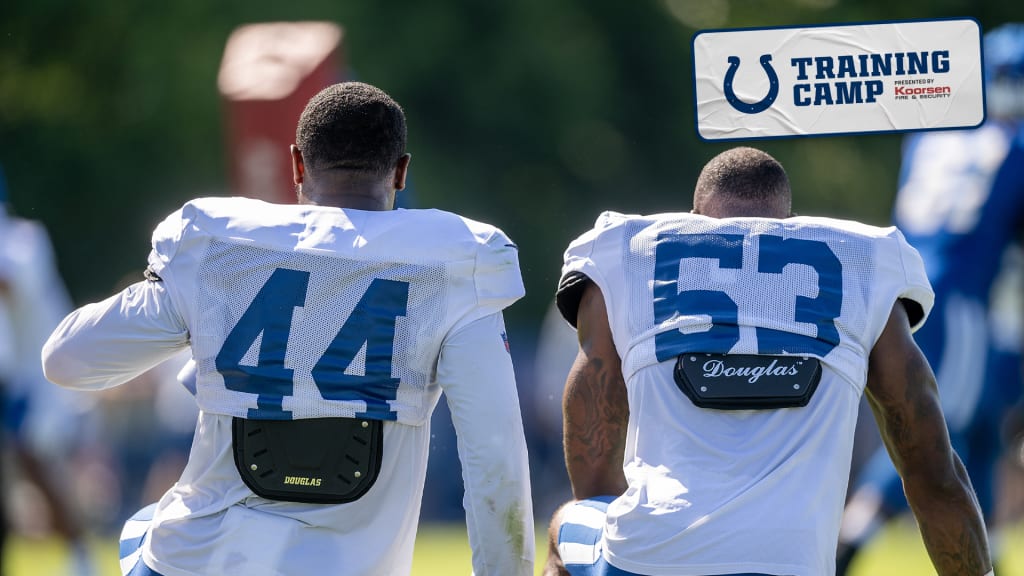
{"points": [[723, 208], [355, 202], [363, 195]]}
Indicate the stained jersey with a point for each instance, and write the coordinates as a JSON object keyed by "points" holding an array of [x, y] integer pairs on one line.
{"points": [[711, 491], [303, 312]]}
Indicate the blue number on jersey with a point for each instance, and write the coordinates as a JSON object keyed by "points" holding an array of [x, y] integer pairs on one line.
{"points": [[668, 300], [774, 253], [270, 314], [371, 323]]}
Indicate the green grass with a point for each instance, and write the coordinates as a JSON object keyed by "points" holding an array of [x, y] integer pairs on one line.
{"points": [[443, 551]]}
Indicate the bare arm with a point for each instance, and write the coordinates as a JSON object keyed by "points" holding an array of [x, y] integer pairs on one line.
{"points": [[595, 407], [903, 396]]}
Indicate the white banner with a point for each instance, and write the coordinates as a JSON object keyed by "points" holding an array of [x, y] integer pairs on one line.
{"points": [[843, 79]]}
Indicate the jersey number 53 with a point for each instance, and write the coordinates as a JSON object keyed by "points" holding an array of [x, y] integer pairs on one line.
{"points": [[774, 253]]}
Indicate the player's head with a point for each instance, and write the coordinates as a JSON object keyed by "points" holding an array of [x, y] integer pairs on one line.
{"points": [[743, 182], [1004, 71], [350, 134]]}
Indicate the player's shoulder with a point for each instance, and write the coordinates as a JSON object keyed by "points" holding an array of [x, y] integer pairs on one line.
{"points": [[202, 212], [235, 219], [445, 235], [886, 246], [611, 220], [413, 234], [449, 226], [617, 220], [235, 211], [611, 223], [214, 205], [825, 224], [433, 234]]}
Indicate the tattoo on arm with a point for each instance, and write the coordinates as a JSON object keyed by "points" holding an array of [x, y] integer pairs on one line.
{"points": [[596, 418], [595, 407]]}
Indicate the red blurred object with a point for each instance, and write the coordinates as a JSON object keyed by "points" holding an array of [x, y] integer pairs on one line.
{"points": [[267, 74]]}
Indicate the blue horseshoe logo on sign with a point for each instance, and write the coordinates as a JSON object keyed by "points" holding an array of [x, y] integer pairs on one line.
{"points": [[764, 103]]}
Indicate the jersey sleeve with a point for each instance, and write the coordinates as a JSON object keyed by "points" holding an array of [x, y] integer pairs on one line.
{"points": [[166, 238], [110, 342], [177, 250], [916, 290], [497, 281], [581, 265], [475, 372]]}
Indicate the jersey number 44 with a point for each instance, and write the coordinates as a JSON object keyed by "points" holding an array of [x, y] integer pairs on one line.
{"points": [[371, 325]]}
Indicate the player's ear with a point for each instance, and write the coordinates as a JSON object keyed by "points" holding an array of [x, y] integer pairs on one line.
{"points": [[401, 170], [298, 166]]}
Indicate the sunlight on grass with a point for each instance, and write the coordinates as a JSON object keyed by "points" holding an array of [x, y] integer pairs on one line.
{"points": [[442, 550]]}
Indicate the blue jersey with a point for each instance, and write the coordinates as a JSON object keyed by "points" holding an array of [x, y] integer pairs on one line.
{"points": [[961, 204]]}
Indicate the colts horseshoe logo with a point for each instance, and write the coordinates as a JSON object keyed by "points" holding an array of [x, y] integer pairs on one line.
{"points": [[764, 103]]}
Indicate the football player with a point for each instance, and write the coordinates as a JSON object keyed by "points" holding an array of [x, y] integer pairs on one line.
{"points": [[709, 417], [322, 335], [42, 426]]}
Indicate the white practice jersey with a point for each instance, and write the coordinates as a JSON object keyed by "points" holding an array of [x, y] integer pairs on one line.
{"points": [[727, 491], [297, 311], [33, 300]]}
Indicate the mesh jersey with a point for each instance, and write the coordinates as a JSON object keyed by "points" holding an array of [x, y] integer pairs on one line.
{"points": [[334, 313], [306, 311], [739, 491]]}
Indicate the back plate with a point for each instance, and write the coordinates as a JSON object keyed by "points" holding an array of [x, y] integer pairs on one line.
{"points": [[317, 460], [747, 381]]}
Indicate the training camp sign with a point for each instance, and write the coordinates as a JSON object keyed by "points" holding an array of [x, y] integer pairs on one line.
{"points": [[838, 79]]}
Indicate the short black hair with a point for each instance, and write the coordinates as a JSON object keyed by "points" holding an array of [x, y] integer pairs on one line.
{"points": [[745, 174], [352, 126]]}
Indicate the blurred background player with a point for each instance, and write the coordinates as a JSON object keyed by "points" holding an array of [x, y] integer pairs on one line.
{"points": [[41, 426], [961, 204]]}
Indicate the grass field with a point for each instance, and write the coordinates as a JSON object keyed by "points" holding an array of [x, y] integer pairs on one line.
{"points": [[442, 551]]}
